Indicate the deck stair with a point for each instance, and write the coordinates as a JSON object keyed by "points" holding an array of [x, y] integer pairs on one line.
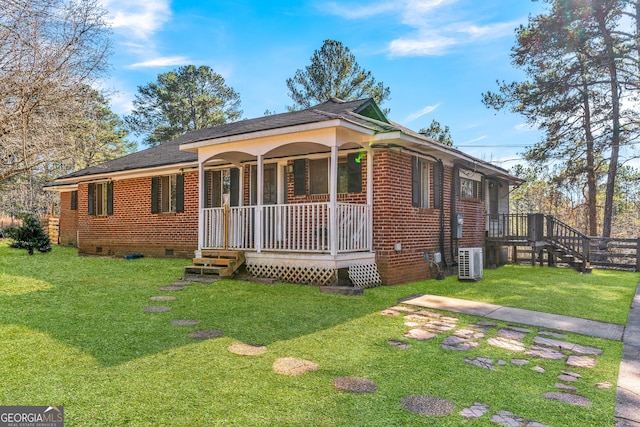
{"points": [[216, 263], [543, 234]]}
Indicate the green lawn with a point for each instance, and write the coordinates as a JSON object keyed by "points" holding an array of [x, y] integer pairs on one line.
{"points": [[73, 332]]}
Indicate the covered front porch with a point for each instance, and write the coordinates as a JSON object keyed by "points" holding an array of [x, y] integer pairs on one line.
{"points": [[299, 205]]}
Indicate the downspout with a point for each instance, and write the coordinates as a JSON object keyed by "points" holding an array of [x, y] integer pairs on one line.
{"points": [[441, 167]]}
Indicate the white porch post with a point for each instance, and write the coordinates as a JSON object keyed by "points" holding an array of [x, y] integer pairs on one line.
{"points": [[201, 205], [333, 201], [370, 198], [259, 196]]}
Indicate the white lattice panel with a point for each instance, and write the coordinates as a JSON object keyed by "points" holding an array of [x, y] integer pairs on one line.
{"points": [[308, 275], [364, 275]]}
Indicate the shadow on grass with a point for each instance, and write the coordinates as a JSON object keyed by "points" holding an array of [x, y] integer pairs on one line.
{"points": [[97, 305]]}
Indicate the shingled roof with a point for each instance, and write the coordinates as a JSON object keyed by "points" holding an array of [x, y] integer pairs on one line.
{"points": [[363, 112]]}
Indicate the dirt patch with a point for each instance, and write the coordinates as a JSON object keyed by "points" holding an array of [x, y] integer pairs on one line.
{"points": [[355, 385], [427, 405], [243, 349]]}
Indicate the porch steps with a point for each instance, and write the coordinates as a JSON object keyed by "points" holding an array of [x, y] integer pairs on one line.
{"points": [[216, 263]]}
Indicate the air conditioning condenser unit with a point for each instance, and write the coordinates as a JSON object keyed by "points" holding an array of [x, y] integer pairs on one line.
{"points": [[469, 263]]}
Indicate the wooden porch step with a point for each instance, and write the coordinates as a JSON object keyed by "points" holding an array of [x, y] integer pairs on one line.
{"points": [[216, 263]]}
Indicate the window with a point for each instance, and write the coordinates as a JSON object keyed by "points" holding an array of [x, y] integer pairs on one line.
{"points": [[469, 188], [350, 173], [319, 176], [74, 200], [100, 199], [419, 182], [167, 194]]}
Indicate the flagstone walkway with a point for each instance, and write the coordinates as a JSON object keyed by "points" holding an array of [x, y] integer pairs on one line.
{"points": [[424, 325]]}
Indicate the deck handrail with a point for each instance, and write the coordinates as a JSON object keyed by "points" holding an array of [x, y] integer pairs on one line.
{"points": [[568, 238]]}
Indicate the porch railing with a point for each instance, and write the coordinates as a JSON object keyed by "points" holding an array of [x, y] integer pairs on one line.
{"points": [[302, 227]]}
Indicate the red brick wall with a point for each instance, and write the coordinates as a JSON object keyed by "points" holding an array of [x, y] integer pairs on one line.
{"points": [[68, 221], [133, 228], [395, 220]]}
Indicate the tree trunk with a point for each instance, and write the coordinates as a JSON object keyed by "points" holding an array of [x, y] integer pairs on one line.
{"points": [[610, 61]]}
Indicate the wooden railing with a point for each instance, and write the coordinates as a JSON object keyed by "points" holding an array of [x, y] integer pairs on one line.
{"points": [[564, 237], [508, 226], [302, 227]]}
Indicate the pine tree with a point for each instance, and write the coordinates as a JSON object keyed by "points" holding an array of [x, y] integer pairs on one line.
{"points": [[30, 236]]}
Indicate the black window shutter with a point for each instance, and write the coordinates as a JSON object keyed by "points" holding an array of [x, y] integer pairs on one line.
{"points": [[180, 193], [74, 200], [415, 182], [207, 189], [155, 186], [235, 187], [90, 198], [300, 177], [110, 198], [354, 173], [437, 185]]}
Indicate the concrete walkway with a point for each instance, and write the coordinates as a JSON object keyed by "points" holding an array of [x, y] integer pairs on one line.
{"points": [[627, 413]]}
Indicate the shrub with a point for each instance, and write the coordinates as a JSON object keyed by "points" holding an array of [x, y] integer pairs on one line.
{"points": [[30, 236]]}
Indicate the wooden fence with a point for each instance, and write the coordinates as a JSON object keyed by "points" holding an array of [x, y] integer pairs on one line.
{"points": [[614, 253]]}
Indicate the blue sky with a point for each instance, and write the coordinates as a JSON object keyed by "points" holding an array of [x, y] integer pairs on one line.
{"points": [[436, 56]]}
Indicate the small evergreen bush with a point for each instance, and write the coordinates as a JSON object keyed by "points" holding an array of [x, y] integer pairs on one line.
{"points": [[30, 236]]}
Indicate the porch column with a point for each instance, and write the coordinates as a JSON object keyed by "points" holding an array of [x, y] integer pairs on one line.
{"points": [[370, 198], [333, 201], [259, 196], [201, 205], [241, 186]]}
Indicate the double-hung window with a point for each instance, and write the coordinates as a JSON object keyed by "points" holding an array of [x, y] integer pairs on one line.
{"points": [[167, 194], [419, 182], [100, 199]]}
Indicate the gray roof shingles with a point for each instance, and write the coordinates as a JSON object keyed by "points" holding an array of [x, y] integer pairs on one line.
{"points": [[169, 153]]}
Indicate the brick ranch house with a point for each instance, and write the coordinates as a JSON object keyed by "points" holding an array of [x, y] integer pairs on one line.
{"points": [[303, 194]]}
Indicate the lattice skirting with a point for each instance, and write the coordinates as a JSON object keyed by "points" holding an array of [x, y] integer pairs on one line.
{"points": [[364, 275], [308, 275], [361, 275]]}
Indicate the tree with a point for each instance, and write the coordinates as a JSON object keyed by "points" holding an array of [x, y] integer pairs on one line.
{"points": [[30, 235], [438, 133], [186, 99], [333, 72], [93, 135], [574, 62], [96, 134], [49, 51]]}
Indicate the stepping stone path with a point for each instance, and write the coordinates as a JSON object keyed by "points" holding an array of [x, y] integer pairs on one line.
{"points": [[419, 334], [506, 418], [171, 288], [563, 345], [565, 387], [156, 309], [399, 344], [481, 362], [570, 398], [476, 411], [355, 385], [544, 353], [205, 334], [243, 349], [581, 361], [427, 405], [292, 366], [184, 322], [162, 298]]}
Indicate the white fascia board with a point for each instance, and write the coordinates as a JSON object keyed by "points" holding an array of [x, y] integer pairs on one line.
{"points": [[130, 174], [61, 188], [335, 123], [389, 137]]}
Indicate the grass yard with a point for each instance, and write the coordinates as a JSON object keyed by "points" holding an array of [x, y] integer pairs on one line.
{"points": [[73, 333]]}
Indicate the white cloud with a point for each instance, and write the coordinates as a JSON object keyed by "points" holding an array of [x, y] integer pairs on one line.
{"points": [[139, 18], [163, 61], [426, 110], [471, 141], [437, 25]]}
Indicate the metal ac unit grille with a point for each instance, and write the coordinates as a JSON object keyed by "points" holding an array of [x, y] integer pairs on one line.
{"points": [[470, 263]]}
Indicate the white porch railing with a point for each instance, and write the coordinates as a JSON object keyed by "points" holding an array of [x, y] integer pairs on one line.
{"points": [[303, 227]]}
